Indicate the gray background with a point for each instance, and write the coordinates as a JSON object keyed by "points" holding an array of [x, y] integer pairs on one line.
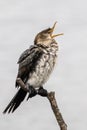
{"points": [[20, 21]]}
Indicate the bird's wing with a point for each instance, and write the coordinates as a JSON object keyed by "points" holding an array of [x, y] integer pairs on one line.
{"points": [[25, 54], [28, 61]]}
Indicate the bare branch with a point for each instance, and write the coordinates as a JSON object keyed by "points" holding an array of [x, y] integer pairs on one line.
{"points": [[54, 106], [22, 85]]}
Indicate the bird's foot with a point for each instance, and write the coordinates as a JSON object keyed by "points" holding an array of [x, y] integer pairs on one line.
{"points": [[32, 92], [42, 92]]}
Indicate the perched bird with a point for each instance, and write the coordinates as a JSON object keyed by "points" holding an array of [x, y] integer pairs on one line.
{"points": [[35, 67]]}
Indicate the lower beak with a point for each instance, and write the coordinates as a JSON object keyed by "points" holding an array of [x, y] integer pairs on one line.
{"points": [[57, 35], [52, 36]]}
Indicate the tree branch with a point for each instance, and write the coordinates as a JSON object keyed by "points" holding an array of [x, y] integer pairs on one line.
{"points": [[53, 102], [54, 106], [22, 85]]}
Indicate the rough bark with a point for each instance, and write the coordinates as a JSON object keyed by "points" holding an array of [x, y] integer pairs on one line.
{"points": [[54, 106]]}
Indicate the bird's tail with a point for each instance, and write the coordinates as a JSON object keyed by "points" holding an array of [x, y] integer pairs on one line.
{"points": [[16, 101]]}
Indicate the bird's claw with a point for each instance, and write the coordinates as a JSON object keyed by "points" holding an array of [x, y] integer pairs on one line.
{"points": [[33, 92]]}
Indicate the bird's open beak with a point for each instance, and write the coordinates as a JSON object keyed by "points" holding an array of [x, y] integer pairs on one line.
{"points": [[52, 29]]}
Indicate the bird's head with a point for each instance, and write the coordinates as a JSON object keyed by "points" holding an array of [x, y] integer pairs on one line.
{"points": [[45, 37]]}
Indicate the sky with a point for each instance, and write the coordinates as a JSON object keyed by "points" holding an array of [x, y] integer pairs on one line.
{"points": [[20, 21]]}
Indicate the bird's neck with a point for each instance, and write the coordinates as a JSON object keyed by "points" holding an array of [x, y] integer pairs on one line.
{"points": [[45, 42], [50, 45]]}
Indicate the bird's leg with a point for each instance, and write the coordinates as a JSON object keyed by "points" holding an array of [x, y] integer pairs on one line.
{"points": [[42, 92], [32, 91]]}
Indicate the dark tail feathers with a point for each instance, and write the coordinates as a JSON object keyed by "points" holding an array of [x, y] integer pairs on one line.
{"points": [[16, 101]]}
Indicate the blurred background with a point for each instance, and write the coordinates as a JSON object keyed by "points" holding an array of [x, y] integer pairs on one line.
{"points": [[20, 21]]}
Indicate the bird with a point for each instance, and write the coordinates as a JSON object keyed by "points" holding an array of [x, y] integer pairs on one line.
{"points": [[35, 66]]}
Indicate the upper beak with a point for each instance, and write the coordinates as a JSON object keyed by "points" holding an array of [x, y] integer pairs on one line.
{"points": [[52, 29]]}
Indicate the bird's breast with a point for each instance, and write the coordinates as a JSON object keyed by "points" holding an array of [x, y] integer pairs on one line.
{"points": [[43, 69]]}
